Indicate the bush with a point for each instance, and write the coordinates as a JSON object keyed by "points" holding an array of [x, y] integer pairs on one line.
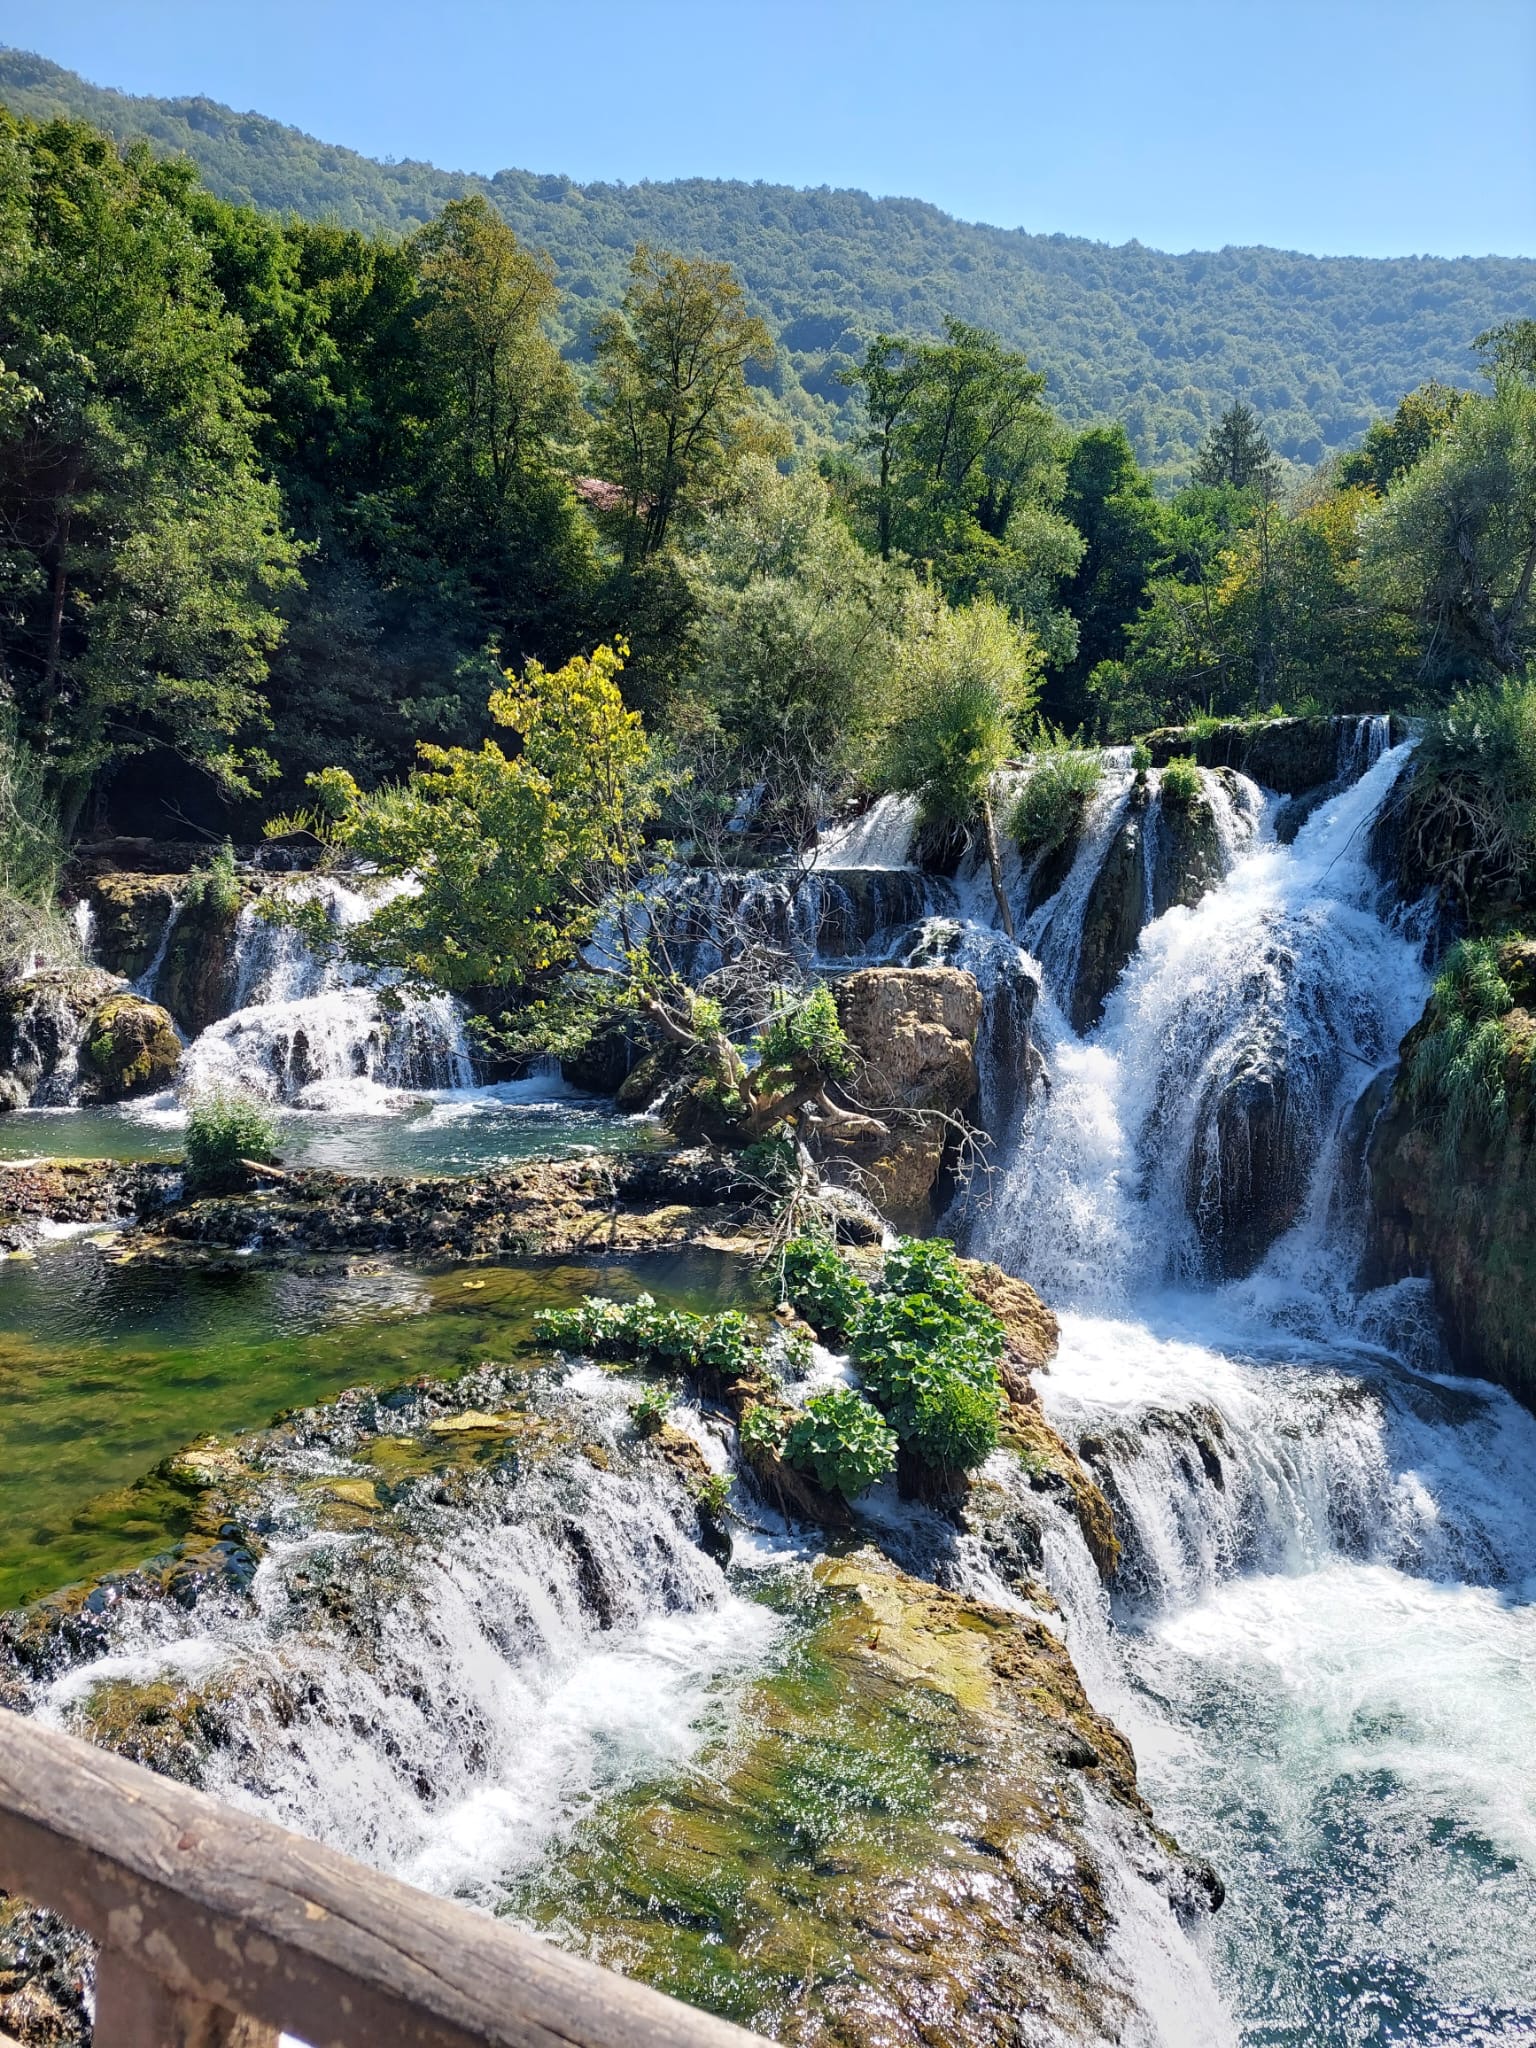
{"points": [[217, 885], [1063, 780], [1457, 1071], [1180, 781], [822, 1286], [650, 1412], [840, 1441], [929, 1358], [221, 1131], [1470, 810], [761, 1432], [640, 1333], [1141, 757], [805, 1034], [773, 1161]]}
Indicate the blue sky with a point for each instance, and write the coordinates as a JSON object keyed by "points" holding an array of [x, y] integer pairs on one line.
{"points": [[1366, 127]]}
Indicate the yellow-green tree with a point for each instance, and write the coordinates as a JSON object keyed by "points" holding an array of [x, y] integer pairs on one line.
{"points": [[511, 856]]}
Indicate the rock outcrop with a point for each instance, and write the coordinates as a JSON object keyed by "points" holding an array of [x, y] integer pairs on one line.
{"points": [[1113, 917], [1462, 1212], [42, 1021], [129, 1048], [1247, 1175], [914, 1030], [1186, 853], [1288, 755]]}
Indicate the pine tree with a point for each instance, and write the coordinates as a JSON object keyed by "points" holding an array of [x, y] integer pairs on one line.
{"points": [[1236, 452]]}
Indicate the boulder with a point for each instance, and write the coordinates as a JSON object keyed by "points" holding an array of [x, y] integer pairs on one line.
{"points": [[130, 913], [129, 1048], [1247, 1174], [42, 1019], [196, 982], [1112, 919], [1186, 853], [914, 1030]]}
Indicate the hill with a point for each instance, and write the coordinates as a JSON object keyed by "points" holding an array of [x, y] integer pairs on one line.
{"points": [[1321, 346]]}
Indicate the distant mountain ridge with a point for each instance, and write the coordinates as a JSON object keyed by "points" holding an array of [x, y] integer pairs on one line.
{"points": [[1319, 345]]}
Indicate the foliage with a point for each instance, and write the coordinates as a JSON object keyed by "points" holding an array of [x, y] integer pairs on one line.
{"points": [[799, 630], [1063, 780], [216, 885], [712, 1496], [804, 1034], [968, 681], [772, 1160], [674, 409], [965, 472], [222, 1130], [1457, 1069], [1319, 345], [143, 550], [510, 857], [1469, 809], [1141, 757], [642, 1334], [761, 1431], [1179, 782], [1452, 549], [821, 1286], [1126, 542], [31, 854], [840, 1441], [1392, 446], [650, 1412]]}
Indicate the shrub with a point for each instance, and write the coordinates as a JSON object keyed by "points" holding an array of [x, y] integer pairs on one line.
{"points": [[221, 1131], [822, 1286], [761, 1431], [640, 1333], [1063, 780], [712, 1496], [650, 1412], [1470, 809], [929, 1358], [839, 1440], [805, 1034], [217, 885], [1180, 781], [1457, 1071], [1141, 757], [773, 1161]]}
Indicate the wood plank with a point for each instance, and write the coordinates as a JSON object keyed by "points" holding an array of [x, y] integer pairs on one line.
{"points": [[229, 1908], [134, 2009]]}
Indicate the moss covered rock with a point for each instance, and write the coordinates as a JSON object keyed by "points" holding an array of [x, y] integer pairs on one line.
{"points": [[130, 1048], [1112, 920], [1462, 1211]]}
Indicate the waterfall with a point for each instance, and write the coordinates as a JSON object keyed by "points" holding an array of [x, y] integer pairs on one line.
{"points": [[880, 837], [149, 980], [314, 1031], [445, 1693], [1322, 1633]]}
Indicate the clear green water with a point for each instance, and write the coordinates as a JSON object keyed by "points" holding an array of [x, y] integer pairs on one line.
{"points": [[475, 1131], [105, 1369]]}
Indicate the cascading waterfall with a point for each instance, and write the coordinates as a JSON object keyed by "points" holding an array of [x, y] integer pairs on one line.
{"points": [[1321, 1638], [320, 1033]]}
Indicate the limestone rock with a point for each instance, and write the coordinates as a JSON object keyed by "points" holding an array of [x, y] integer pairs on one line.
{"points": [[130, 913], [1247, 1179], [1186, 854], [914, 1030], [130, 1048], [1284, 754], [1112, 920], [41, 1022]]}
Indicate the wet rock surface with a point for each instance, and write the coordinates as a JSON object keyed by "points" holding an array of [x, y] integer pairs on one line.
{"points": [[129, 1047], [80, 1191], [1288, 755], [42, 1019], [1112, 920], [914, 1030]]}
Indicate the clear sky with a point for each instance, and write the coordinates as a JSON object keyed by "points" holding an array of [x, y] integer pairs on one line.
{"points": [[1365, 127]]}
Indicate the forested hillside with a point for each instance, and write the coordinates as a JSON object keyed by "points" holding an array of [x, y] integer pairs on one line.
{"points": [[1318, 346]]}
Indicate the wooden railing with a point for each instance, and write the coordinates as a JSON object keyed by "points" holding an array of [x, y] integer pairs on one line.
{"points": [[220, 1930]]}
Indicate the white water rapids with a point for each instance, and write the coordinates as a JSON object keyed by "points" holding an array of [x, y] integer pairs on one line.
{"points": [[1323, 1639]]}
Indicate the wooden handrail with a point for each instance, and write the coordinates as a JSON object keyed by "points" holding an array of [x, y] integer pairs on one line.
{"points": [[218, 1929]]}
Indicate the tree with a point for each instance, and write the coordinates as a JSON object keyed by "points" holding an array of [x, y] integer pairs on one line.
{"points": [[967, 472], [1236, 452], [1391, 447], [799, 631], [968, 680], [1453, 547], [512, 856], [675, 412], [141, 548], [1110, 502]]}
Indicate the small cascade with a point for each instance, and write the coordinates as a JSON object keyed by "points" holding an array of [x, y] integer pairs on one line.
{"points": [[813, 916], [83, 918], [880, 837], [442, 1694], [315, 1032], [149, 980]]}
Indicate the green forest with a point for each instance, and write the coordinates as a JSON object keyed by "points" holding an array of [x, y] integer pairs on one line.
{"points": [[1320, 347], [302, 518]]}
